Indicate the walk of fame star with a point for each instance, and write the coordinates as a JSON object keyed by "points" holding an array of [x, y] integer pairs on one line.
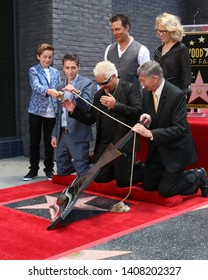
{"points": [[199, 89], [86, 206]]}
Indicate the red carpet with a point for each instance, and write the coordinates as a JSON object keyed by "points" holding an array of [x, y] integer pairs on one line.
{"points": [[137, 193], [24, 235]]}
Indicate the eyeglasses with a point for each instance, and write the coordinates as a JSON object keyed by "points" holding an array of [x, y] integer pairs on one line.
{"points": [[164, 32], [105, 82]]}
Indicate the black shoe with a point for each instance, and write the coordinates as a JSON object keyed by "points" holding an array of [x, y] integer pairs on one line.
{"points": [[49, 174], [30, 175], [203, 181], [139, 164]]}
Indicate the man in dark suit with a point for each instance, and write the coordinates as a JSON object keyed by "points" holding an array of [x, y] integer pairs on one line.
{"points": [[70, 137], [171, 147], [120, 100]]}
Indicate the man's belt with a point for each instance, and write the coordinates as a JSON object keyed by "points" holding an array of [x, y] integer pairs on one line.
{"points": [[64, 129]]}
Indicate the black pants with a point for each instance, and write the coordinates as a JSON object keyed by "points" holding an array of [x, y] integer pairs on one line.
{"points": [[157, 177], [121, 172], [37, 124]]}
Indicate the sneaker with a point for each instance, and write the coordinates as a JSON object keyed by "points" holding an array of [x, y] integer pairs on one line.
{"points": [[30, 175], [49, 174]]}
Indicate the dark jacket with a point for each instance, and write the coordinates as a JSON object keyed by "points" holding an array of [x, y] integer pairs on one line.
{"points": [[127, 110], [170, 129], [176, 65]]}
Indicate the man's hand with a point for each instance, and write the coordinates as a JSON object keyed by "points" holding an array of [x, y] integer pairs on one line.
{"points": [[146, 118], [140, 129], [69, 105], [108, 100], [71, 88], [53, 142]]}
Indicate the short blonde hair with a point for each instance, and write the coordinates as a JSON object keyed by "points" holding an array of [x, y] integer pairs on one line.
{"points": [[106, 68], [172, 24]]}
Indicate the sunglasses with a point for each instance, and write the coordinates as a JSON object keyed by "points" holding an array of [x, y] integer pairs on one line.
{"points": [[163, 32], [105, 82]]}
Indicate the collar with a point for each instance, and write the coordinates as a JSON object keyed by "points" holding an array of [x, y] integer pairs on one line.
{"points": [[158, 91], [119, 47], [73, 82]]}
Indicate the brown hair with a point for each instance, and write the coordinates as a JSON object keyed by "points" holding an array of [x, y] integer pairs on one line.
{"points": [[44, 47], [72, 57], [123, 18]]}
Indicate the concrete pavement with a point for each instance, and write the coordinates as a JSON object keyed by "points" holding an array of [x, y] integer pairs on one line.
{"points": [[12, 170]]}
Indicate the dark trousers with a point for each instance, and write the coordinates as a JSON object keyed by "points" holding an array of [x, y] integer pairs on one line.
{"points": [[157, 177], [121, 172], [37, 124]]}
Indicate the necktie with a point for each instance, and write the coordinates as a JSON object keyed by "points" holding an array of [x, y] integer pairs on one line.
{"points": [[155, 98]]}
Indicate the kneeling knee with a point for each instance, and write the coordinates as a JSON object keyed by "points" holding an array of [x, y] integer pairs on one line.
{"points": [[122, 184], [164, 193]]}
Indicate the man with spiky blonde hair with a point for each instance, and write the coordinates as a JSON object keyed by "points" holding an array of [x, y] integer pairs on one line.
{"points": [[115, 100]]}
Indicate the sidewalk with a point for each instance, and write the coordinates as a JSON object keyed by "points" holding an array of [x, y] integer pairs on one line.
{"points": [[12, 170]]}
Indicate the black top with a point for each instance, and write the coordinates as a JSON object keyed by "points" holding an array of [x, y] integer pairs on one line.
{"points": [[127, 110], [176, 65]]}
